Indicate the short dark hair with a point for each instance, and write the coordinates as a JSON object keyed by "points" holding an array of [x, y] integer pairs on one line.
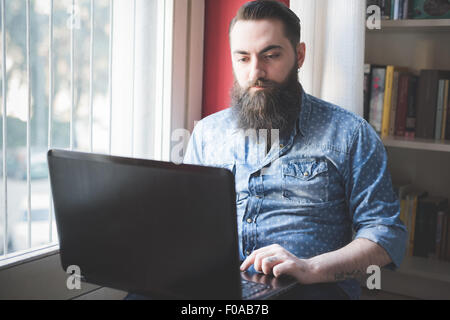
{"points": [[270, 9]]}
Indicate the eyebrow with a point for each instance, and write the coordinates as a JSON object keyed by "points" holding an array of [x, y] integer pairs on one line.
{"points": [[268, 48]]}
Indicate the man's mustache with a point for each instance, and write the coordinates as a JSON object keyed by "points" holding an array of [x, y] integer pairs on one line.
{"points": [[263, 83]]}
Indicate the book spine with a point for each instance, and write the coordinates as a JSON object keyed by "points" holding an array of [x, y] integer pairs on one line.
{"points": [[447, 244], [406, 9], [439, 233], [402, 106], [397, 10], [392, 9], [433, 225], [431, 233], [407, 204], [387, 101], [419, 239], [426, 104], [411, 12], [410, 127], [446, 107], [412, 223], [387, 9], [402, 210], [394, 104], [367, 86], [439, 110], [447, 129], [445, 235], [400, 9], [377, 98], [383, 7]]}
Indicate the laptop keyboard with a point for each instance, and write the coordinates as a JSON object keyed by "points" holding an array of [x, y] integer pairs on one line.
{"points": [[250, 288]]}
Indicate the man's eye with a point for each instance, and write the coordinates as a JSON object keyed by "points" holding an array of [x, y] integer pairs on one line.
{"points": [[272, 56], [244, 59]]}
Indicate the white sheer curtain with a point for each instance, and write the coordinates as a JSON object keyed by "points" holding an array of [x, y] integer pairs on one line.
{"points": [[334, 33]]}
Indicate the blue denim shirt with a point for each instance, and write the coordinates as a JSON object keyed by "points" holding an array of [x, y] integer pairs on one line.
{"points": [[319, 188]]}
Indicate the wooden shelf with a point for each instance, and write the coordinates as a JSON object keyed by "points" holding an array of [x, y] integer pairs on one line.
{"points": [[420, 278], [426, 268], [413, 25], [417, 144]]}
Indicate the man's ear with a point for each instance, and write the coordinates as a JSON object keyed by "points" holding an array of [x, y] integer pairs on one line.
{"points": [[301, 54]]}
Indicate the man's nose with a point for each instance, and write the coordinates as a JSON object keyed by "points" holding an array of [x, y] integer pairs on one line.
{"points": [[257, 70]]}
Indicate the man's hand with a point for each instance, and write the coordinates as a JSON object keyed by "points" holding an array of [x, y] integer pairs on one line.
{"points": [[278, 261], [352, 259]]}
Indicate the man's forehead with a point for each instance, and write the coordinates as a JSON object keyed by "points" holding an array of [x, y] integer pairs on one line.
{"points": [[257, 34]]}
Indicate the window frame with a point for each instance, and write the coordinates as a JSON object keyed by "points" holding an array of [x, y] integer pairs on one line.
{"points": [[37, 273]]}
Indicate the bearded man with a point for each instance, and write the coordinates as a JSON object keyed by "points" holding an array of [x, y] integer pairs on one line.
{"points": [[314, 196]]}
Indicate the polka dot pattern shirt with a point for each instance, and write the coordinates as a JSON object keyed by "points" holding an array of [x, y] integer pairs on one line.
{"points": [[318, 188]]}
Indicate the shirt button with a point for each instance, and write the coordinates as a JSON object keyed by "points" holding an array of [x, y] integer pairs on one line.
{"points": [[249, 220], [306, 174], [247, 253], [281, 146]]}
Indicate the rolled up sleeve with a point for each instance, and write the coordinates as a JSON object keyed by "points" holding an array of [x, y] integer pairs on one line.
{"points": [[372, 201]]}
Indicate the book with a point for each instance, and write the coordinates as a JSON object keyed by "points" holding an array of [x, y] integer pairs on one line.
{"points": [[394, 104], [426, 224], [402, 105], [426, 106], [400, 9], [396, 9], [408, 196], [405, 14], [387, 102], [439, 234], [439, 110], [377, 97], [447, 127], [390, 93], [385, 6], [431, 9], [367, 85], [401, 190], [412, 199], [446, 108], [445, 238], [396, 13], [410, 127]]}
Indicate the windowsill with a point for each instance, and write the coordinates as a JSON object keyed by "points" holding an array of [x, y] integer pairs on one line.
{"points": [[21, 257]]}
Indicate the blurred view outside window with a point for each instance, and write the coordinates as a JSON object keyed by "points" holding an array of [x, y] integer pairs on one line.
{"points": [[42, 233]]}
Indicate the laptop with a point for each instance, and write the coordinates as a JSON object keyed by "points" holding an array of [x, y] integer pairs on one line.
{"points": [[152, 228]]}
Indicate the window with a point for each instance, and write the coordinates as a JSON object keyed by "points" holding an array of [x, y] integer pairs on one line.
{"points": [[85, 75]]}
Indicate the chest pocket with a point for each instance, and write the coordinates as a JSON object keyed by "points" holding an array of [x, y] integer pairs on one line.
{"points": [[306, 181]]}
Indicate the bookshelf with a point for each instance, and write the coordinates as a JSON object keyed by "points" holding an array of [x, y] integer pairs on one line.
{"points": [[417, 144], [416, 44], [430, 25]]}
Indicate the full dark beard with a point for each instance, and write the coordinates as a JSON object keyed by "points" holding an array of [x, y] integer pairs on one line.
{"points": [[274, 107]]}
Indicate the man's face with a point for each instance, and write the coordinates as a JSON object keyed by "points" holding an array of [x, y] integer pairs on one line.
{"points": [[266, 91], [260, 50]]}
